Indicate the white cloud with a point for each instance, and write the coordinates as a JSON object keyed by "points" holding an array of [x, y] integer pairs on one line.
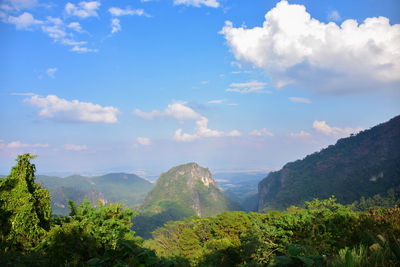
{"points": [[19, 144], [53, 27], [144, 141], [72, 147], [300, 134], [56, 29], [217, 101], [234, 133], [177, 111], [51, 72], [248, 87], [300, 100], [116, 27], [24, 21], [262, 132], [83, 9], [181, 112], [323, 127], [334, 16], [117, 12], [294, 48], [19, 4], [75, 26], [83, 49], [57, 108], [198, 3]]}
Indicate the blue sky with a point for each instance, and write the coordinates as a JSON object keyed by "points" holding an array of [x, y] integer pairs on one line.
{"points": [[140, 86]]}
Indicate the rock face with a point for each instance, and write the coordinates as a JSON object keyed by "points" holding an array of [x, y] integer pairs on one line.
{"points": [[191, 187], [365, 164]]}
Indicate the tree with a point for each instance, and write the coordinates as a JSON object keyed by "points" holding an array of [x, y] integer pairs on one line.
{"points": [[25, 209]]}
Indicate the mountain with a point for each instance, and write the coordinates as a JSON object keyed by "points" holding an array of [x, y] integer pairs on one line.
{"points": [[361, 165], [189, 187], [128, 189]]}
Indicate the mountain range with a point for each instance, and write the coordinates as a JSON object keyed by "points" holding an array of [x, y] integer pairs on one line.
{"points": [[128, 189]]}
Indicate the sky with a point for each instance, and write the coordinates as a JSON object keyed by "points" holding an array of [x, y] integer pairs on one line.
{"points": [[93, 87]]}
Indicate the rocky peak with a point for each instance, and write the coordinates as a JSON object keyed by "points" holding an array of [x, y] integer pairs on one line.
{"points": [[191, 186]]}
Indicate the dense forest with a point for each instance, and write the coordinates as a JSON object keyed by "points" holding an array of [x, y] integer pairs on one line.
{"points": [[362, 165], [323, 233]]}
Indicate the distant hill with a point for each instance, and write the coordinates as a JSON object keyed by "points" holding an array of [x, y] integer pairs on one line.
{"points": [[128, 189], [362, 165], [183, 191], [191, 187]]}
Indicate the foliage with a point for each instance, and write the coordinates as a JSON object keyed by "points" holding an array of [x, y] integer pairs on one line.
{"points": [[392, 199], [90, 235], [321, 233], [297, 256], [24, 207], [145, 223]]}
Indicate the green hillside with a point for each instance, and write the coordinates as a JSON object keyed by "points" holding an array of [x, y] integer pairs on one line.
{"points": [[361, 165], [191, 187], [183, 191], [128, 189]]}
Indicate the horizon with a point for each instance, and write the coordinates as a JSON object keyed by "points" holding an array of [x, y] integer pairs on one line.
{"points": [[142, 86]]}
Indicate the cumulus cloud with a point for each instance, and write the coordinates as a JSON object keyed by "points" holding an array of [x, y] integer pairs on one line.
{"points": [[300, 134], [72, 147], [19, 144], [83, 9], [198, 3], [294, 48], [144, 141], [177, 111], [51, 72], [75, 26], [300, 100], [181, 112], [24, 21], [61, 109], [262, 132], [324, 128], [248, 87]]}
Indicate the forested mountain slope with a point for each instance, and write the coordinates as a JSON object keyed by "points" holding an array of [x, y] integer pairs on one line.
{"points": [[361, 165], [191, 187]]}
